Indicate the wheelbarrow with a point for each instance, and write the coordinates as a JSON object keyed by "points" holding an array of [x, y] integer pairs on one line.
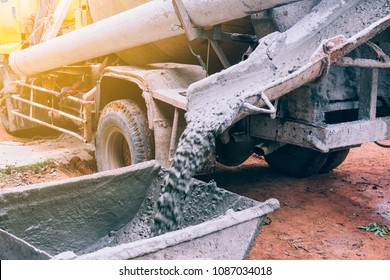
{"points": [[109, 215]]}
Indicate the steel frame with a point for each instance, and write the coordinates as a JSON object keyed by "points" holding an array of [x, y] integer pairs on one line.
{"points": [[85, 112]]}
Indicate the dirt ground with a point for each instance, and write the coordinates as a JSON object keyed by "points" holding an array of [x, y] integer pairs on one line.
{"points": [[53, 169], [318, 218]]}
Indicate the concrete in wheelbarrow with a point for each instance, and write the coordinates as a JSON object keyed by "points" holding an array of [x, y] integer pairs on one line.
{"points": [[109, 215]]}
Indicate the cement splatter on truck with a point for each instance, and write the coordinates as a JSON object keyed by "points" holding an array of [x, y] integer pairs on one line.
{"points": [[218, 101]]}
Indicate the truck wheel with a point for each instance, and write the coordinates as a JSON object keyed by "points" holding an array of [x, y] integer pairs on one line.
{"points": [[233, 154], [334, 159], [296, 161], [123, 136]]}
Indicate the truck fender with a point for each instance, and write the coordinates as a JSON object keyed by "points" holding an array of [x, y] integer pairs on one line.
{"points": [[144, 81]]}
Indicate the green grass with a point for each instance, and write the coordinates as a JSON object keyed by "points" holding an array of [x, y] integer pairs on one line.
{"points": [[377, 228], [6, 173]]}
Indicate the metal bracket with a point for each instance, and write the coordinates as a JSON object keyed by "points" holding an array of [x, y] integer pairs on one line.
{"points": [[368, 95], [382, 56], [172, 144], [369, 91], [382, 61], [191, 30], [214, 36], [220, 53]]}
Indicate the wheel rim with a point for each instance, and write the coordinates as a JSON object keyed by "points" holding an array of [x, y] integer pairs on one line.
{"points": [[118, 150]]}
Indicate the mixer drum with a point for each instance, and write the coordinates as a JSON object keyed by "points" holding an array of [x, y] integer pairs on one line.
{"points": [[175, 49]]}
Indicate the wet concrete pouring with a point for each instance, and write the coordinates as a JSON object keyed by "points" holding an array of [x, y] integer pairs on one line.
{"points": [[319, 216], [217, 101]]}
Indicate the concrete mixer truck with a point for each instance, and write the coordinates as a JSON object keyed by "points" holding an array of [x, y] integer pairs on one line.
{"points": [[310, 79]]}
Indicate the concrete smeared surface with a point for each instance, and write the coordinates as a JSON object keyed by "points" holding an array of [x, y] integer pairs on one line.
{"points": [[215, 103], [114, 211]]}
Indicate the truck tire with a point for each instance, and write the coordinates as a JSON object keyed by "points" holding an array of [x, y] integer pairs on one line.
{"points": [[233, 154], [123, 136], [334, 160], [296, 161]]}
